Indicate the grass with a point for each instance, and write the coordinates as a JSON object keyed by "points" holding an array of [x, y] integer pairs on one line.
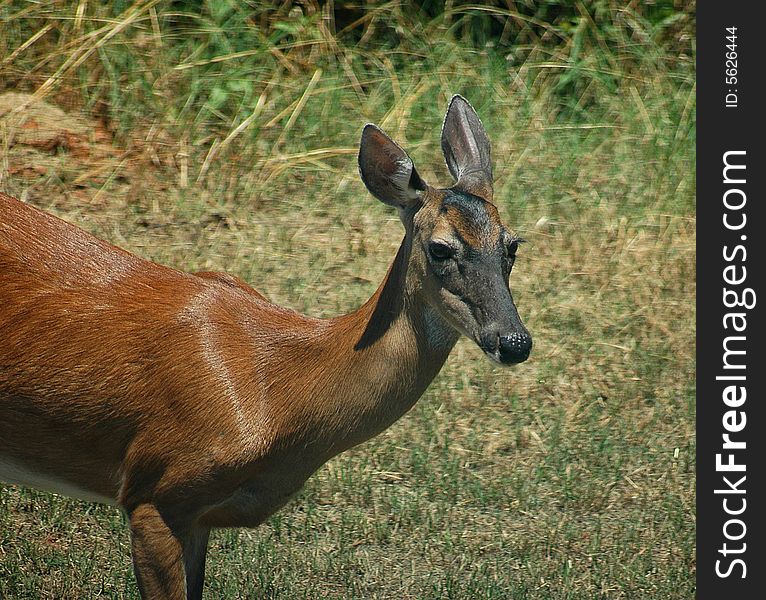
{"points": [[224, 138]]}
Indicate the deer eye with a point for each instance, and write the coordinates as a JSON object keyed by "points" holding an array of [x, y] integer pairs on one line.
{"points": [[440, 251], [513, 247]]}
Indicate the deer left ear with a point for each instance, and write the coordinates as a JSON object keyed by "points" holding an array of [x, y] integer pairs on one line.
{"points": [[387, 171], [466, 149]]}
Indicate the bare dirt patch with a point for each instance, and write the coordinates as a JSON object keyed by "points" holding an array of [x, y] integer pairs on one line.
{"points": [[66, 159]]}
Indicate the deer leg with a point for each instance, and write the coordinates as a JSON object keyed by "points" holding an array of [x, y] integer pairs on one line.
{"points": [[195, 550], [158, 555]]}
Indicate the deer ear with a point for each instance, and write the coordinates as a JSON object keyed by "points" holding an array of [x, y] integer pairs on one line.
{"points": [[387, 171], [466, 149]]}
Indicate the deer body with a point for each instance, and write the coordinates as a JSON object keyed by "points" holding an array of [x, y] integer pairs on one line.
{"points": [[192, 364], [193, 402]]}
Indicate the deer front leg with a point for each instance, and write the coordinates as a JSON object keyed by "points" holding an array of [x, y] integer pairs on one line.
{"points": [[195, 550], [169, 564]]}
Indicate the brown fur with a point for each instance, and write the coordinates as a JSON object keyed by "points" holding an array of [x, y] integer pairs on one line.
{"points": [[192, 401], [185, 394]]}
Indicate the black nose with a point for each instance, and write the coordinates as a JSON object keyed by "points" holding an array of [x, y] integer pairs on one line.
{"points": [[514, 348]]}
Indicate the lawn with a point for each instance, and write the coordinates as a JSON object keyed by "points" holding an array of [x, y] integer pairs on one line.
{"points": [[223, 136]]}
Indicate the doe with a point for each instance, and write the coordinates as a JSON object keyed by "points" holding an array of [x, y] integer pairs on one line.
{"points": [[192, 402]]}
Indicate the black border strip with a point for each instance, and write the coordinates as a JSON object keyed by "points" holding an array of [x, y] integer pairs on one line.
{"points": [[739, 131]]}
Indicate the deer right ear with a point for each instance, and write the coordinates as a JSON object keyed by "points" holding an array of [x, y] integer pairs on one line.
{"points": [[466, 149], [386, 169]]}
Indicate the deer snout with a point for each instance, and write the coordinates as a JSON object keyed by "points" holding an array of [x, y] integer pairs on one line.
{"points": [[515, 348], [507, 348]]}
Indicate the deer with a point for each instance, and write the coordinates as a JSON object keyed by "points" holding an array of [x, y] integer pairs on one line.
{"points": [[192, 402]]}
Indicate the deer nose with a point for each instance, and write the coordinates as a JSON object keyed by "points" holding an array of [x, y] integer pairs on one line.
{"points": [[514, 348]]}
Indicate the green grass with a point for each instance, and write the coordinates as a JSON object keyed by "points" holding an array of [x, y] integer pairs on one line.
{"points": [[225, 139]]}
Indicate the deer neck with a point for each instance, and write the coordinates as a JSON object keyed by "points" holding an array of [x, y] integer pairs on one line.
{"points": [[398, 319], [387, 352]]}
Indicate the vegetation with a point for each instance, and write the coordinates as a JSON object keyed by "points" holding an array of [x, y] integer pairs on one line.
{"points": [[221, 135]]}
